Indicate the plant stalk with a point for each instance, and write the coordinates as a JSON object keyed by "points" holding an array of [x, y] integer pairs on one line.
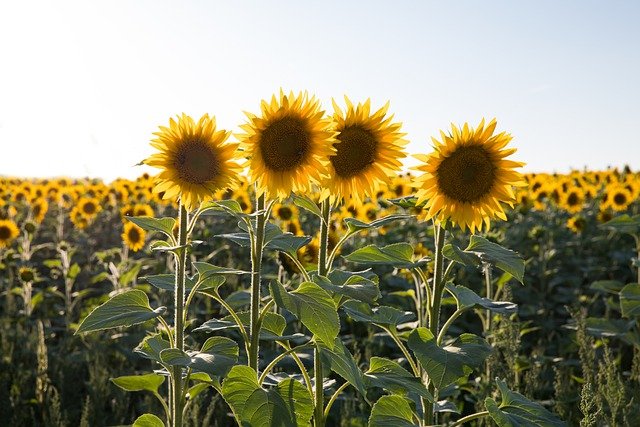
{"points": [[181, 261], [256, 267]]}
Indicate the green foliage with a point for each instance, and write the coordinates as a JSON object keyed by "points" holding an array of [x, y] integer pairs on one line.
{"points": [[391, 411]]}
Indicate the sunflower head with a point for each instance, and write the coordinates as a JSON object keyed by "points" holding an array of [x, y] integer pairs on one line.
{"points": [[369, 147], [287, 145], [133, 236], [8, 231], [573, 199], [194, 159], [88, 207], [467, 176], [576, 223]]}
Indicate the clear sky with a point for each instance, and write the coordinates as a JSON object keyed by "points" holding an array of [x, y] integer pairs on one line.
{"points": [[83, 84]]}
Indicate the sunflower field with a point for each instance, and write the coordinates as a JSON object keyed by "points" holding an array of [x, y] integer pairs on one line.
{"points": [[296, 275]]}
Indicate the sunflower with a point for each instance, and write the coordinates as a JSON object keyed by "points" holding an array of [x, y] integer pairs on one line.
{"points": [[573, 200], [467, 177], [285, 213], [39, 209], [618, 197], [133, 236], [141, 209], [576, 223], [8, 232], [79, 220], [88, 207], [368, 148], [288, 146], [195, 160]]}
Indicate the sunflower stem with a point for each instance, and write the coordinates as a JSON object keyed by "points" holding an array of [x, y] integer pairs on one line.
{"points": [[434, 313], [256, 267], [323, 268], [181, 261]]}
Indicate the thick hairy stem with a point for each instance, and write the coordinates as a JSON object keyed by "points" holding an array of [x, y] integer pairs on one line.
{"points": [[181, 258], [434, 312], [323, 268], [256, 267]]}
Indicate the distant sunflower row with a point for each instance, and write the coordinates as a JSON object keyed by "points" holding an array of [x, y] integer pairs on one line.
{"points": [[80, 202]]}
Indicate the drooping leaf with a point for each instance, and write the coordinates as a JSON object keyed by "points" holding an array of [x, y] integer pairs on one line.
{"points": [[124, 309], [148, 420], [382, 315], [630, 300], [465, 297], [355, 287], [307, 204], [216, 357], [175, 357], [341, 361], [288, 242], [454, 253], [445, 365], [163, 225], [399, 255], [205, 270], [357, 225], [151, 346], [392, 411], [389, 375], [624, 224], [515, 410], [167, 282], [313, 306], [608, 286], [406, 202], [503, 258], [287, 405], [148, 382]]}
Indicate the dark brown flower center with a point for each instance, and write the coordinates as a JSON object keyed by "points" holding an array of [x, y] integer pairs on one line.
{"points": [[89, 208], [620, 199], [284, 213], [573, 199], [196, 162], [285, 144], [355, 151], [133, 235], [467, 175], [5, 232]]}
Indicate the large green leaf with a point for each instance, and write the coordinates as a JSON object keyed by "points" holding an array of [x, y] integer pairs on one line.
{"points": [[313, 306], [392, 411], [515, 410], [148, 382], [382, 315], [399, 255], [271, 329], [216, 357], [445, 365], [357, 225], [163, 225], [624, 224], [465, 297], [151, 346], [167, 282], [355, 287], [125, 309], [608, 286], [206, 270], [481, 250], [630, 300], [287, 405], [148, 420], [307, 204], [389, 375], [341, 361]]}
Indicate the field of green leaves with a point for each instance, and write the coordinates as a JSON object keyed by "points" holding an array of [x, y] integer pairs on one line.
{"points": [[538, 314]]}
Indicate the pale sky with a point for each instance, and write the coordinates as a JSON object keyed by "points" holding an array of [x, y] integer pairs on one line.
{"points": [[84, 84]]}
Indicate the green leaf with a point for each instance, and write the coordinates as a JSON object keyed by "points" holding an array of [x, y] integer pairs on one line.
{"points": [[608, 286], [216, 357], [445, 365], [624, 224], [503, 258], [382, 315], [406, 202], [454, 253], [630, 300], [206, 270], [151, 346], [148, 382], [601, 327], [148, 420], [130, 275], [399, 255], [167, 282], [163, 225], [356, 225], [287, 405], [313, 306], [391, 411], [307, 204], [74, 270], [389, 375], [289, 243], [125, 309], [175, 357], [341, 361], [355, 287], [465, 297], [515, 410]]}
